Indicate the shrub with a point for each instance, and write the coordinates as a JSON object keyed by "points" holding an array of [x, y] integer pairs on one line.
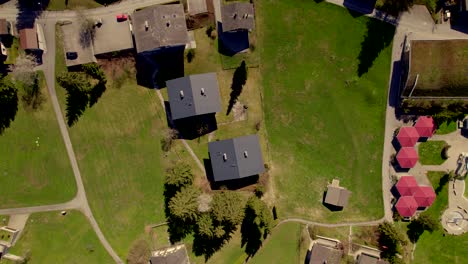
{"points": [[259, 191], [444, 153], [168, 138], [190, 55]]}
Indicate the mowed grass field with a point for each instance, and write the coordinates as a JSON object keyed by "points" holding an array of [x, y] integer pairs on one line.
{"points": [[324, 121], [30, 174], [57, 5], [53, 238], [282, 246]]}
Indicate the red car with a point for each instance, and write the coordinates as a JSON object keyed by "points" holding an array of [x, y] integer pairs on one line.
{"points": [[121, 17]]}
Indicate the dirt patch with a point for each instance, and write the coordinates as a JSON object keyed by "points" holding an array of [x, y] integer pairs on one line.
{"points": [[240, 111], [118, 68]]}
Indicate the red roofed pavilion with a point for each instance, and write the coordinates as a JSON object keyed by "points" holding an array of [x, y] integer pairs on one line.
{"points": [[425, 126], [424, 196], [408, 136], [407, 186], [407, 157], [406, 206]]}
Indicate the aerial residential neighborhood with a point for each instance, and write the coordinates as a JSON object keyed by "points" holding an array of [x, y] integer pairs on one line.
{"points": [[233, 131]]}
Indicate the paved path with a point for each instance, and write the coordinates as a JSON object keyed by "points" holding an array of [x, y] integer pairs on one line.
{"points": [[307, 222]]}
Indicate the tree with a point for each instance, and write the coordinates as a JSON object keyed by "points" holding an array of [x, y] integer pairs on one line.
{"points": [[389, 240], [139, 252], [8, 103], [228, 208], [205, 226], [169, 135], [238, 81], [179, 175], [87, 32], [417, 227], [184, 205], [74, 81], [257, 224], [394, 7], [23, 69]]}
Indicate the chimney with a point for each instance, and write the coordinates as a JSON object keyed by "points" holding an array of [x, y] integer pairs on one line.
{"points": [[146, 25], [181, 94], [246, 155], [203, 91], [224, 156]]}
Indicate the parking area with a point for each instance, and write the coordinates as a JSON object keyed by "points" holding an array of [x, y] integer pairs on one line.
{"points": [[75, 52], [112, 34]]}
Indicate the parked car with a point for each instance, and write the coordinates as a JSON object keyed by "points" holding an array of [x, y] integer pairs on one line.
{"points": [[122, 17]]}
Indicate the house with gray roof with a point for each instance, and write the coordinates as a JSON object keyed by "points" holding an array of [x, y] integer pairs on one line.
{"points": [[337, 195], [323, 254], [170, 255], [236, 158], [159, 26], [193, 95], [238, 16], [364, 258]]}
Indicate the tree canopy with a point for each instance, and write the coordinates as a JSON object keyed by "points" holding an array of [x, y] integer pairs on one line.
{"points": [[184, 205], [256, 225], [389, 240], [228, 207]]}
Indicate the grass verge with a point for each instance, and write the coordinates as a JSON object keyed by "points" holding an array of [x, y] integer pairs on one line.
{"points": [[59, 5], [430, 152]]}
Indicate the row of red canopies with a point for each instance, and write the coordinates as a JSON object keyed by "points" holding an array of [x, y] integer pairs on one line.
{"points": [[424, 127], [413, 196]]}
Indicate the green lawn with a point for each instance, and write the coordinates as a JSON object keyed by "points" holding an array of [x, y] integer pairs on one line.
{"points": [[323, 120], [430, 152], [34, 174], [283, 246], [437, 247], [53, 238], [13, 52], [446, 127], [57, 5]]}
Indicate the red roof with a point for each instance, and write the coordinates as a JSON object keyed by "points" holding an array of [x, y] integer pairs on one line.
{"points": [[424, 196], [406, 206], [425, 126], [408, 136], [407, 157], [407, 186]]}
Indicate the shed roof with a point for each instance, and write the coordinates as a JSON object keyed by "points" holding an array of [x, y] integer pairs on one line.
{"points": [[424, 196], [236, 158], [159, 26], [193, 95], [425, 125], [408, 136], [112, 35], [337, 196], [406, 185], [4, 27], [322, 254], [406, 206], [237, 16], [367, 259], [196, 7], [407, 157], [170, 255], [28, 38]]}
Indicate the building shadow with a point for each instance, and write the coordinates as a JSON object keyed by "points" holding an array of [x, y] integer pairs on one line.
{"points": [[395, 84], [395, 192], [460, 21], [195, 126], [330, 207], [232, 42], [308, 255], [155, 68], [464, 132], [398, 168], [396, 144], [235, 184], [359, 8], [28, 11]]}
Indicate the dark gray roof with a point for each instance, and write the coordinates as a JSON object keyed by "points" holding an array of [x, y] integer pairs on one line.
{"points": [[337, 196], [323, 254], [166, 27], [170, 255], [236, 158], [237, 16], [193, 95], [367, 259]]}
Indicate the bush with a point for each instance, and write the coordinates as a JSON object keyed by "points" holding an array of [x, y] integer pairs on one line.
{"points": [[168, 138], [259, 191], [444, 153], [190, 55]]}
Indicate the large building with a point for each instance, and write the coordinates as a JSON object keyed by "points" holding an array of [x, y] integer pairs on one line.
{"points": [[435, 68], [158, 27], [236, 158]]}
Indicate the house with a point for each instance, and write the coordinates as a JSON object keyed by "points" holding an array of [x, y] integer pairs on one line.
{"points": [[323, 254], [364, 258], [238, 16], [28, 38], [75, 52], [434, 69], [5, 27], [159, 26], [236, 158], [336, 195], [193, 95], [197, 7], [111, 35], [170, 255]]}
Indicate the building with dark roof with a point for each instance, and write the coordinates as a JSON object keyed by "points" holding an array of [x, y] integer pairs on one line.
{"points": [[28, 38], [159, 26], [337, 195], [238, 16], [4, 27], [364, 258], [170, 255], [236, 158], [193, 95], [322, 254]]}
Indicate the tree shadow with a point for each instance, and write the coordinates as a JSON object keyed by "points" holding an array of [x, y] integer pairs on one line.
{"points": [[250, 232], [8, 107], [28, 11], [77, 101], [203, 246], [238, 81], [96, 93], [415, 230], [442, 182], [394, 7], [32, 97], [379, 35]]}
